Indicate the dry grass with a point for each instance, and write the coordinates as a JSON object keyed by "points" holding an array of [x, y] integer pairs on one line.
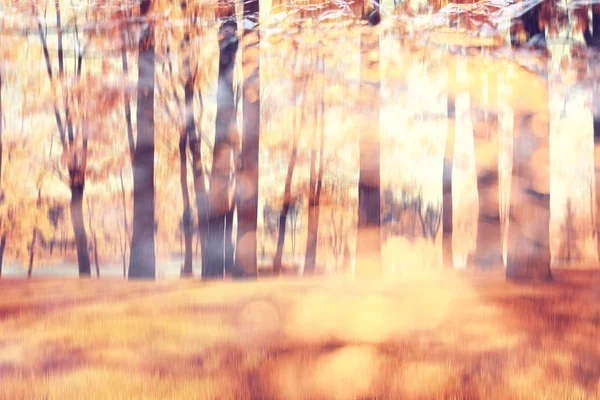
{"points": [[459, 336]]}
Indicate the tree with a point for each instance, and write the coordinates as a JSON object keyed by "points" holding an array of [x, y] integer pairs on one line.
{"points": [[368, 247], [142, 258], [592, 40], [247, 180], [219, 203], [74, 146], [3, 234], [315, 180], [528, 246], [287, 191]]}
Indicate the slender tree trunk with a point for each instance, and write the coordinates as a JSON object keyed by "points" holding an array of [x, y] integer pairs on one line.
{"points": [[32, 253], [125, 225], [220, 178], [96, 262], [187, 212], [597, 181], [52, 241], [3, 236], [368, 246], [142, 258], [229, 248], [247, 181], [1, 141], [447, 254], [316, 182], [287, 194], [2, 247]]}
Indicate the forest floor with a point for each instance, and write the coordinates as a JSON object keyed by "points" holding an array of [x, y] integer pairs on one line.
{"points": [[452, 335]]}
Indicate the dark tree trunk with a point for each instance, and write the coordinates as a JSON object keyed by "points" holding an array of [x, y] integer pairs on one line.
{"points": [[3, 237], [316, 182], [220, 178], [186, 218], [597, 180], [1, 142], [77, 220], [142, 258], [247, 181], [2, 247], [447, 254], [32, 253], [368, 246], [287, 199]]}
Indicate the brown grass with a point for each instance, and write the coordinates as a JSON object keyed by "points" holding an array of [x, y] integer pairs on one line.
{"points": [[461, 336]]}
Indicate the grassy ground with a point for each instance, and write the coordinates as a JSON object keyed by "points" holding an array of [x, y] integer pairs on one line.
{"points": [[448, 336]]}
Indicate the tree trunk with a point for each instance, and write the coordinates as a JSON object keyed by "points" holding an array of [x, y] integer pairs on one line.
{"points": [[447, 253], [96, 262], [1, 142], [316, 182], [81, 242], [31, 253], [125, 224], [287, 198], [247, 181], [368, 246], [229, 249], [142, 258], [220, 178], [3, 237], [187, 212], [597, 180], [2, 247]]}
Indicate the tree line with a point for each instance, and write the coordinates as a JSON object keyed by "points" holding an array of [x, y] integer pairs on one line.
{"points": [[231, 197]]}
